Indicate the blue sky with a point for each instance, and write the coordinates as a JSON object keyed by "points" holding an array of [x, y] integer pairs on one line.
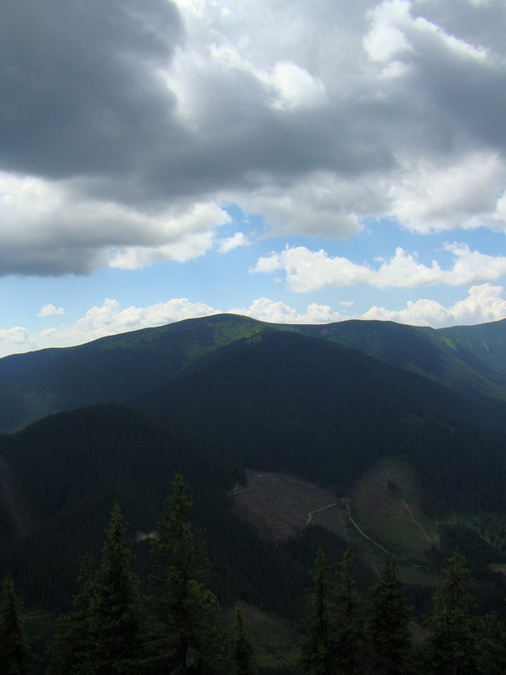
{"points": [[291, 161]]}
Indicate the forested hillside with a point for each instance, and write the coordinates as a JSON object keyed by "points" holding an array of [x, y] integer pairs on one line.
{"points": [[469, 361], [341, 406]]}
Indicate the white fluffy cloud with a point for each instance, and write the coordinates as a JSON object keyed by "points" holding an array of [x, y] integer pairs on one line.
{"points": [[16, 339], [484, 303], [432, 196], [50, 310], [307, 271], [40, 222], [229, 243], [271, 311], [110, 319]]}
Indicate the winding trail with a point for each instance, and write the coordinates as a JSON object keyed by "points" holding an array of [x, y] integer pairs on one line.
{"points": [[323, 508], [349, 518], [415, 522]]}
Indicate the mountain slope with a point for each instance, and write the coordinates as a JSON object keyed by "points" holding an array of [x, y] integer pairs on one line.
{"points": [[285, 402], [469, 361], [481, 347], [112, 369], [233, 394], [66, 472]]}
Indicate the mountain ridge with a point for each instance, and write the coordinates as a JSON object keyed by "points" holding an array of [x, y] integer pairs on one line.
{"points": [[121, 367], [213, 397]]}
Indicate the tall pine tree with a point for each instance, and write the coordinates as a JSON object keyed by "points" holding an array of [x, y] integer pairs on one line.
{"points": [[116, 611], [349, 621], [103, 634], [72, 642], [454, 644], [388, 625], [318, 650], [190, 635], [16, 657], [242, 656]]}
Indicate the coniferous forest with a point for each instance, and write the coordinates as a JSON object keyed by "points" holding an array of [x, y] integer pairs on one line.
{"points": [[139, 534], [180, 626]]}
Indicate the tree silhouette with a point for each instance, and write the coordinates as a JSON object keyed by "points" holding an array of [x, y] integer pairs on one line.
{"points": [[16, 657], [190, 632], [388, 625]]}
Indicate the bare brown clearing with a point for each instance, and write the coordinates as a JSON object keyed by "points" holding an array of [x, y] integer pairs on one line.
{"points": [[382, 517], [279, 505]]}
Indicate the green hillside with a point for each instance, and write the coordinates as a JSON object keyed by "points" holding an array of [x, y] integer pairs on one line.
{"points": [[470, 361], [286, 402], [212, 397], [112, 369], [59, 478]]}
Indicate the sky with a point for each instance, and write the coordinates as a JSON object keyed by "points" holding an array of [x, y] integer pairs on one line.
{"points": [[292, 161]]}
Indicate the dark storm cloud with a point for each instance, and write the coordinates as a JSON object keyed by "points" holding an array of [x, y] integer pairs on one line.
{"points": [[79, 91]]}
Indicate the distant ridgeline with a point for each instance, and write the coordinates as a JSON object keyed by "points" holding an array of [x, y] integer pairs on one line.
{"points": [[350, 407]]}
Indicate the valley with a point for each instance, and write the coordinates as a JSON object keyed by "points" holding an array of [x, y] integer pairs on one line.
{"points": [[383, 439]]}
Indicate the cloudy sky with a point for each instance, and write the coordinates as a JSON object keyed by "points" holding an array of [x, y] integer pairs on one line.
{"points": [[289, 160]]}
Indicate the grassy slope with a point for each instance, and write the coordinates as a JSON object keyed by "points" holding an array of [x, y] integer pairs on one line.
{"points": [[482, 347], [470, 360]]}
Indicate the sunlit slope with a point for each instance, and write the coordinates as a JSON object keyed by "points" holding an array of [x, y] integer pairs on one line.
{"points": [[469, 360]]}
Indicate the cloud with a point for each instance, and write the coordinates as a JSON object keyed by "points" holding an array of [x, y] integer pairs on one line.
{"points": [[230, 243], [434, 197], [120, 118], [294, 88], [50, 229], [483, 304], [80, 86], [110, 319], [16, 339], [50, 310], [272, 311], [307, 271]]}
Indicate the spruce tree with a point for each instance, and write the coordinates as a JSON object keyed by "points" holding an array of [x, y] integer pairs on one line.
{"points": [[16, 656], [103, 634], [348, 621], [492, 656], [388, 625], [116, 611], [72, 642], [453, 647], [242, 657], [318, 650], [190, 635]]}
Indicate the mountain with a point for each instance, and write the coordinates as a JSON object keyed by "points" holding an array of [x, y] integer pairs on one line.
{"points": [[112, 369], [341, 406], [60, 477], [285, 402], [469, 361]]}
